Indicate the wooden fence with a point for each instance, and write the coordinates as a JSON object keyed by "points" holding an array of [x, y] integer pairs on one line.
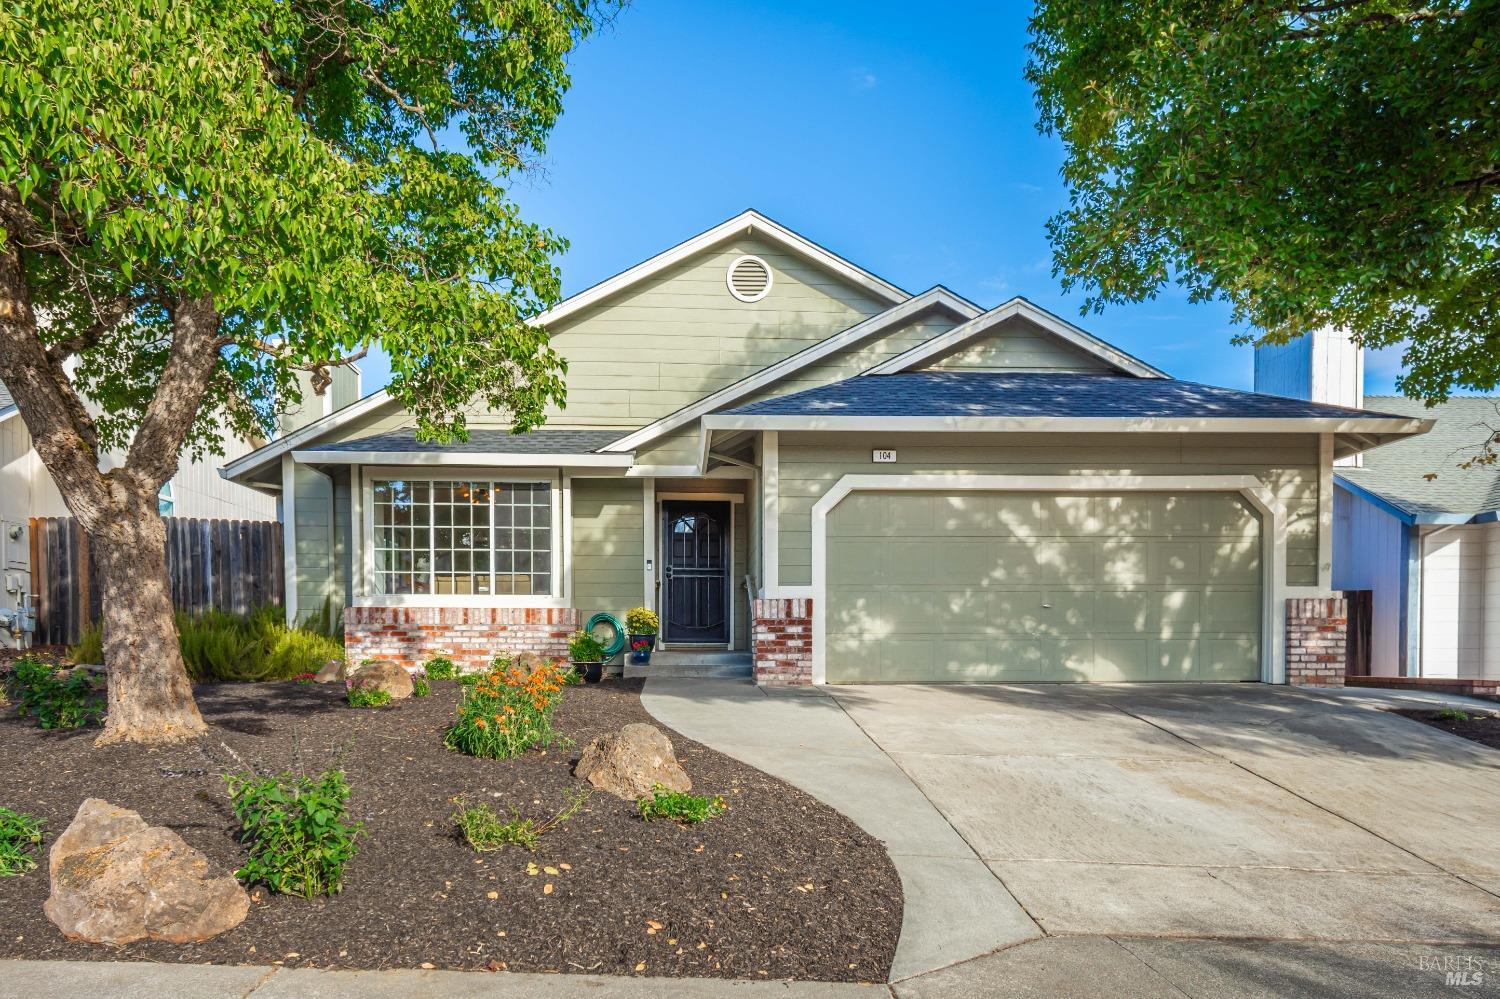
{"points": [[229, 565]]}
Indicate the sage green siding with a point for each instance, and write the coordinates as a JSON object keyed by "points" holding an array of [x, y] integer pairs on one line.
{"points": [[608, 545], [1287, 463], [676, 337], [973, 586], [322, 552], [1017, 345]]}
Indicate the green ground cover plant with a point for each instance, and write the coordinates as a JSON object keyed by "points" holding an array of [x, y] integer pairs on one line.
{"points": [[56, 699], [688, 809], [20, 842], [296, 829], [484, 830]]}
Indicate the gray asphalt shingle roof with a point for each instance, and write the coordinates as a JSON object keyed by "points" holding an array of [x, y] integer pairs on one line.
{"points": [[5, 399], [1395, 472], [999, 394], [484, 440]]}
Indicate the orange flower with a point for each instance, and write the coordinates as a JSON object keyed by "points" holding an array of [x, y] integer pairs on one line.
{"points": [[481, 723]]}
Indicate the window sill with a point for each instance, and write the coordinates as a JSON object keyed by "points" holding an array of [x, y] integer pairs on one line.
{"points": [[457, 600]]}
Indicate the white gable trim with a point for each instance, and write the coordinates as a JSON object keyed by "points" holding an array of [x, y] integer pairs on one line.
{"points": [[750, 223], [746, 223], [934, 298], [1058, 327], [7, 412]]}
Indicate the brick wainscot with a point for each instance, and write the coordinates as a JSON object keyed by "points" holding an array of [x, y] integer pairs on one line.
{"points": [[469, 636], [1317, 630], [783, 641]]}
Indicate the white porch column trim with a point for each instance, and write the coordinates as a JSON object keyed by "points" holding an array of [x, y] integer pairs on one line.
{"points": [[289, 536], [770, 513], [564, 536], [1273, 535], [1325, 512], [649, 568]]}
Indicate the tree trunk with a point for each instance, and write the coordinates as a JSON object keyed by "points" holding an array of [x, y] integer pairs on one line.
{"points": [[150, 696]]}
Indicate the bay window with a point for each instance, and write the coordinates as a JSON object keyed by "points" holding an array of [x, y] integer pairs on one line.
{"points": [[449, 537]]}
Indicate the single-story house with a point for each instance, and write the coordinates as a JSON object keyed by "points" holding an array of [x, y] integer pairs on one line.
{"points": [[784, 453]]}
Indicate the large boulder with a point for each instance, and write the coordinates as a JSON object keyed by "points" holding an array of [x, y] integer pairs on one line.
{"points": [[382, 675], [116, 879], [632, 761]]}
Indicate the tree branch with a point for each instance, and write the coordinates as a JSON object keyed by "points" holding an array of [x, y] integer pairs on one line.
{"points": [[153, 455]]}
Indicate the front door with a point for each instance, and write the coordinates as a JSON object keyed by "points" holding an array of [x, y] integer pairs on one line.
{"points": [[695, 565]]}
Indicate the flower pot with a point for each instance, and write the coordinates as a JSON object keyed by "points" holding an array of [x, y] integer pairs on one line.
{"points": [[592, 672], [641, 647]]}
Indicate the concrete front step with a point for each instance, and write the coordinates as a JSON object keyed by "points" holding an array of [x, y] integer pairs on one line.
{"points": [[715, 663]]}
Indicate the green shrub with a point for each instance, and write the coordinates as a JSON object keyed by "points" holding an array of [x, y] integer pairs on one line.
{"points": [[296, 831], [365, 696], [20, 841], [583, 647], [219, 646], [483, 830], [55, 702], [685, 808], [440, 668], [420, 687], [507, 711], [1451, 715]]}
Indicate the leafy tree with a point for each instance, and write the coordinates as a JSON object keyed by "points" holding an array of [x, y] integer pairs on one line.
{"points": [[1315, 163], [199, 200]]}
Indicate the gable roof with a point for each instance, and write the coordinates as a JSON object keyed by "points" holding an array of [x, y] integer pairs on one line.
{"points": [[1394, 476], [1085, 341], [748, 222], [934, 298], [986, 401]]}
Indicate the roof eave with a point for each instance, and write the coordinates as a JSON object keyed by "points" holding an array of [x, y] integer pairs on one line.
{"points": [[510, 459], [1409, 516]]}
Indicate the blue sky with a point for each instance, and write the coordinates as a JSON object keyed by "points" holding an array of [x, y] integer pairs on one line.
{"points": [[905, 143]]}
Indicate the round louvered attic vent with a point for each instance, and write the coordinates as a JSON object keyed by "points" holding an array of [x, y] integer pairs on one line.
{"points": [[749, 279]]}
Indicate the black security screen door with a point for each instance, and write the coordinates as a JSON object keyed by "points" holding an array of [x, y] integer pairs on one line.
{"points": [[696, 569]]}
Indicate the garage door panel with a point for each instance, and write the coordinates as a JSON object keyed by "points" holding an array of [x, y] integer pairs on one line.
{"points": [[1029, 587]]}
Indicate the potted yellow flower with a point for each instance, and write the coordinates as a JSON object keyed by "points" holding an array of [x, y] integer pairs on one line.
{"points": [[641, 626]]}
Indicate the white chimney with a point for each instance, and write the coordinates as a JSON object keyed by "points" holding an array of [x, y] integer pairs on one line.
{"points": [[1325, 366]]}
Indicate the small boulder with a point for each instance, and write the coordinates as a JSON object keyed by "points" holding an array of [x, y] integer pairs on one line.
{"points": [[632, 761], [382, 674], [332, 672], [116, 879]]}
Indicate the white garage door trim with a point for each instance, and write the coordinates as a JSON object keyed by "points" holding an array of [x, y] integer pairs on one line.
{"points": [[1273, 533]]}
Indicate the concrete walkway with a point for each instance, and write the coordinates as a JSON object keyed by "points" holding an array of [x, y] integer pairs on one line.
{"points": [[956, 908]]}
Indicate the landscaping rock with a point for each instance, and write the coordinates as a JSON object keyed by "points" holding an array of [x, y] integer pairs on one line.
{"points": [[632, 761], [116, 879], [383, 675], [333, 671]]}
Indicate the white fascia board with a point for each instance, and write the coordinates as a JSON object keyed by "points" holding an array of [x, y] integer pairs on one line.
{"points": [[934, 298], [474, 458], [1068, 424], [281, 445], [1058, 327], [749, 222], [8, 412]]}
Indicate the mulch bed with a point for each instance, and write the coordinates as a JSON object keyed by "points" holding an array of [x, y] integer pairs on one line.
{"points": [[780, 886], [1482, 727]]}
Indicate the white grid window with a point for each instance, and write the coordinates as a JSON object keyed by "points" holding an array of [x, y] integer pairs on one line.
{"points": [[461, 537]]}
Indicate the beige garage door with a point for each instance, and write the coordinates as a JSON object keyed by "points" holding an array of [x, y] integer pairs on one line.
{"points": [[1041, 586]]}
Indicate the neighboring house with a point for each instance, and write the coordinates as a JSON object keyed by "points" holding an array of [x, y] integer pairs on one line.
{"points": [[1410, 525], [783, 453], [197, 490]]}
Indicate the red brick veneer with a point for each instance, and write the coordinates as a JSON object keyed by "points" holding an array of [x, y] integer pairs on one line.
{"points": [[1317, 629], [469, 636], [783, 641]]}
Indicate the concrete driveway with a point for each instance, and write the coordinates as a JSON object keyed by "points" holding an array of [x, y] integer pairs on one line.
{"points": [[1186, 812]]}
